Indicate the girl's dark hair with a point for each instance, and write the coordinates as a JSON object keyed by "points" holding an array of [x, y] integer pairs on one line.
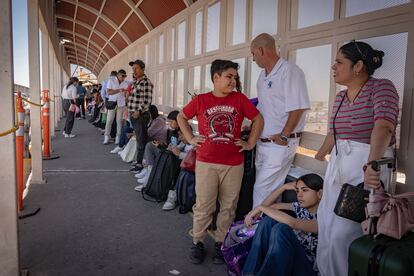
{"points": [[312, 181], [173, 115], [219, 66], [358, 50], [71, 81], [153, 110]]}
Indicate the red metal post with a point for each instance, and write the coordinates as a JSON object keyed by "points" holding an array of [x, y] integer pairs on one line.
{"points": [[45, 124], [20, 149]]}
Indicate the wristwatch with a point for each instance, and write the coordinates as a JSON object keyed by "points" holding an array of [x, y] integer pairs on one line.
{"points": [[283, 137]]}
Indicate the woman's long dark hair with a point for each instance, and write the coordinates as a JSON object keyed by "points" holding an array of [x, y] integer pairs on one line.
{"points": [[153, 110], [312, 181], [72, 80]]}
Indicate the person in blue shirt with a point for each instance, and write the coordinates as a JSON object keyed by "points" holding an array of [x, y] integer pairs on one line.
{"points": [[80, 100]]}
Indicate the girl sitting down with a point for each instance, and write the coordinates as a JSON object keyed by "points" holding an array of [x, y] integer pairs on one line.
{"points": [[284, 245]]}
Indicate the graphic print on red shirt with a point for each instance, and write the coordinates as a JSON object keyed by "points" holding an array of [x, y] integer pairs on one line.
{"points": [[220, 120], [220, 123]]}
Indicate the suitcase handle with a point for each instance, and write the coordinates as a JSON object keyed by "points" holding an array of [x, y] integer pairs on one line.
{"points": [[375, 164]]}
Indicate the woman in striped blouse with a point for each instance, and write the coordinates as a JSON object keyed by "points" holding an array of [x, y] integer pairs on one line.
{"points": [[361, 129]]}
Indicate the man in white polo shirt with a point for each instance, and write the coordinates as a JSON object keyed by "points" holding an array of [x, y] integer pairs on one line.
{"points": [[283, 99], [116, 104]]}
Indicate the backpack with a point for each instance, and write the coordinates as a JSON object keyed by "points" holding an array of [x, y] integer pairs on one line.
{"points": [[186, 196], [162, 178]]}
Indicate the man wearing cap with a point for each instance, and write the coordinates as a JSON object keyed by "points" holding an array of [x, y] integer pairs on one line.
{"points": [[138, 106], [283, 101]]}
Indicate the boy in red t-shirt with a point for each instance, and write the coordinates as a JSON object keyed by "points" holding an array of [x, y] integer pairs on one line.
{"points": [[219, 165]]}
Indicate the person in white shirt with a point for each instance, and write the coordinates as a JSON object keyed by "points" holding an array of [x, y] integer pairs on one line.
{"points": [[283, 100], [104, 93], [69, 102], [116, 90]]}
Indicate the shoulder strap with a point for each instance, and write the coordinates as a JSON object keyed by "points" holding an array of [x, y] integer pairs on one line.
{"points": [[333, 122]]}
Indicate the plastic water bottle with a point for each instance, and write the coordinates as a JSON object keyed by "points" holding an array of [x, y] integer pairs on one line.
{"points": [[174, 141]]}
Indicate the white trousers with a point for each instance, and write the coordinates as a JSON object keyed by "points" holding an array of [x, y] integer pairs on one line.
{"points": [[272, 166], [335, 234], [118, 112]]}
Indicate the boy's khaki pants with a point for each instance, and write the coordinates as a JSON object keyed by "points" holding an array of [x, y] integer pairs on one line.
{"points": [[215, 181]]}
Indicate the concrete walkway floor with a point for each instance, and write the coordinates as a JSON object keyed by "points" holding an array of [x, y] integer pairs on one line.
{"points": [[92, 222]]}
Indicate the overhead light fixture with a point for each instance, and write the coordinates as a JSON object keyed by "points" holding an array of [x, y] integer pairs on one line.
{"points": [[64, 40]]}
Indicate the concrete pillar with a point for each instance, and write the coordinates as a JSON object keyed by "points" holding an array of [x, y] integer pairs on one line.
{"points": [[46, 68], [51, 89], [34, 76], [9, 247]]}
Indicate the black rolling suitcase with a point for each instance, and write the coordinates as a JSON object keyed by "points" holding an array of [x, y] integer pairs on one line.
{"points": [[381, 255]]}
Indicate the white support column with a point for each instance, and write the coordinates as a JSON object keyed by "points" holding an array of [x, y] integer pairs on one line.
{"points": [[51, 90], [45, 68], [34, 76], [57, 92], [9, 246]]}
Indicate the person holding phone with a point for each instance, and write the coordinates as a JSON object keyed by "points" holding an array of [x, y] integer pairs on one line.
{"points": [[116, 94]]}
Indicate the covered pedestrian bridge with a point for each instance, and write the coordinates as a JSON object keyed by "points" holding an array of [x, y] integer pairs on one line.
{"points": [[91, 221]]}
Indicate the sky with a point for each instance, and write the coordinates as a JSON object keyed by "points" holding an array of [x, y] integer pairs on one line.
{"points": [[20, 43]]}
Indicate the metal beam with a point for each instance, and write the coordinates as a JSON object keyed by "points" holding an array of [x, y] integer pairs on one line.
{"points": [[83, 48], [87, 65], [187, 3], [83, 62], [84, 37], [135, 8], [100, 15], [89, 27]]}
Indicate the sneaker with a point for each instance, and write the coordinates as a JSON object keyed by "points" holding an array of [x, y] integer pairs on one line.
{"points": [[116, 150], [106, 140], [136, 169], [144, 180], [69, 135], [218, 255], [142, 173], [139, 187], [197, 253], [170, 203], [64, 133]]}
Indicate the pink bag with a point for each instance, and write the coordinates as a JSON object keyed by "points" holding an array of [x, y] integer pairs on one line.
{"points": [[394, 212]]}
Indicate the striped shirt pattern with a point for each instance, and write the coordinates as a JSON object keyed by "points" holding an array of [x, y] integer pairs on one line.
{"points": [[141, 96], [378, 99]]}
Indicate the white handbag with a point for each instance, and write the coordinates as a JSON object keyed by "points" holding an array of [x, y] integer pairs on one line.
{"points": [[128, 154]]}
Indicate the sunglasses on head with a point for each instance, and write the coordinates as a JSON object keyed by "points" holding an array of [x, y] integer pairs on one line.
{"points": [[359, 50]]}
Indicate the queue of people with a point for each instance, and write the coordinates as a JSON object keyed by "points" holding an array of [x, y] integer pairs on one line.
{"points": [[361, 129]]}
